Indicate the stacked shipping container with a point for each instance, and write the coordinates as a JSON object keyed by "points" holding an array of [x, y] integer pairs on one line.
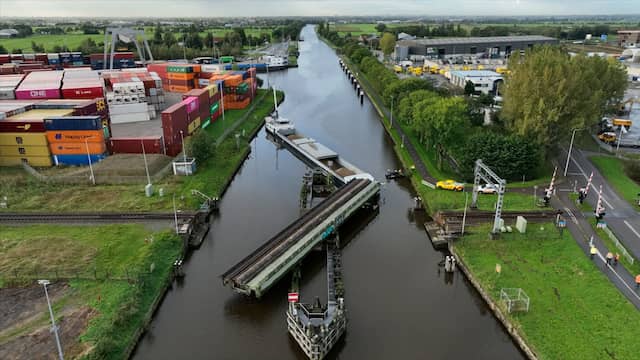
{"points": [[75, 140], [40, 85], [82, 84], [177, 77], [8, 85]]}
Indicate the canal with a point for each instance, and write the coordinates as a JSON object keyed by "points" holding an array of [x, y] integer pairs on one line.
{"points": [[399, 304]]}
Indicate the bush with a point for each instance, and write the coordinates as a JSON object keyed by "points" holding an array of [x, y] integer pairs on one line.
{"points": [[632, 169]]}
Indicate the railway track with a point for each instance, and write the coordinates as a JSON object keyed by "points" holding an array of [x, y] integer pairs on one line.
{"points": [[90, 217], [443, 217]]}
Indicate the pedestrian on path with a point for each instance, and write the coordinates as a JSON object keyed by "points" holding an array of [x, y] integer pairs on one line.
{"points": [[592, 252], [609, 257], [637, 281], [616, 259]]}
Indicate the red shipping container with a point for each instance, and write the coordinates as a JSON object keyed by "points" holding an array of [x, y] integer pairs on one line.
{"points": [[81, 92], [152, 145], [174, 120], [17, 126]]}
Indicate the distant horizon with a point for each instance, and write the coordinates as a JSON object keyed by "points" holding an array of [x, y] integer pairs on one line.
{"points": [[172, 9]]}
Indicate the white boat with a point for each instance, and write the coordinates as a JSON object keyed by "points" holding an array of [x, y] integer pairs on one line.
{"points": [[277, 124]]}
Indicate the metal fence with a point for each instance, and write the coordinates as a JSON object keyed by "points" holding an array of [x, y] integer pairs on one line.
{"points": [[619, 245], [515, 299], [59, 274]]}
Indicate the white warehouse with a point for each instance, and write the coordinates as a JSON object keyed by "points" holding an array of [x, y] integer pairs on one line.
{"points": [[485, 81]]}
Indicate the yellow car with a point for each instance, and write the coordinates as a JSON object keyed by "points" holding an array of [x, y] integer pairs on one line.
{"points": [[450, 185]]}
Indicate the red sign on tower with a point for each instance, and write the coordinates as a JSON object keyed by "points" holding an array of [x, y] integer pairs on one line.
{"points": [[293, 297]]}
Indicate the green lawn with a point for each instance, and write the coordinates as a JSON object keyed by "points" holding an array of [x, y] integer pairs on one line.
{"points": [[25, 193], [575, 312], [120, 307], [355, 29], [613, 170], [72, 41]]}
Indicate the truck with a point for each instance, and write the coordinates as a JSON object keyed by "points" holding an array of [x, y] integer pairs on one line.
{"points": [[397, 68]]}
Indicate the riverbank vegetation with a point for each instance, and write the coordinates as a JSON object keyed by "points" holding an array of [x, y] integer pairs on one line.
{"points": [[575, 312], [215, 168], [113, 275]]}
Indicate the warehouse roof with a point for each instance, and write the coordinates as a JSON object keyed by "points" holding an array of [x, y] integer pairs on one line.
{"points": [[478, 40], [475, 73]]}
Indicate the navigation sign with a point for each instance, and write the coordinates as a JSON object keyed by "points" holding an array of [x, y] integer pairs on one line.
{"points": [[293, 297]]}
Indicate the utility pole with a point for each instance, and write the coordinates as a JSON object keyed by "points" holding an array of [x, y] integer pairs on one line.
{"points": [[566, 166], [392, 111], [54, 327], [93, 178], [146, 167], [175, 213]]}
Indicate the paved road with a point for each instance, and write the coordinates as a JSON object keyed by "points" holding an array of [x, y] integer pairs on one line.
{"points": [[583, 233], [621, 217]]}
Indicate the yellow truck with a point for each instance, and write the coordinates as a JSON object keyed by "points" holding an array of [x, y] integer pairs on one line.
{"points": [[622, 122], [434, 69], [397, 68], [417, 71]]}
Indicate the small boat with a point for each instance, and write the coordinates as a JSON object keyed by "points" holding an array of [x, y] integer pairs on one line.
{"points": [[394, 174]]}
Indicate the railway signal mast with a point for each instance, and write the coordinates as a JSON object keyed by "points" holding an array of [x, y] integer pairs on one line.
{"points": [[126, 35], [483, 172]]}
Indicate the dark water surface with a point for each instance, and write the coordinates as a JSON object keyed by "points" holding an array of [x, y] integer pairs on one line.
{"points": [[399, 305]]}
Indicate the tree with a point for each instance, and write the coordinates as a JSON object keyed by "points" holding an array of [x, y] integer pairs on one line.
{"points": [[88, 46], [208, 40], [549, 93], [469, 88], [3, 50], [442, 122], [510, 156], [193, 40], [387, 43], [200, 145], [37, 48], [157, 35], [169, 39], [381, 27]]}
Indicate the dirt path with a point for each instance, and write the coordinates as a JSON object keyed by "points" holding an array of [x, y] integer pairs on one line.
{"points": [[24, 311]]}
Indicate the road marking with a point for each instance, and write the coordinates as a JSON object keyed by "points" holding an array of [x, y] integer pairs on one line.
{"points": [[592, 186], [632, 291], [573, 217], [631, 228]]}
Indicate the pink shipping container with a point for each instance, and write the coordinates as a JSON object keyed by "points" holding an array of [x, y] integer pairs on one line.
{"points": [[193, 104], [50, 93]]}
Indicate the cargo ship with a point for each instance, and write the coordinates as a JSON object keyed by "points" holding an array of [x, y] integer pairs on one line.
{"points": [[311, 152]]}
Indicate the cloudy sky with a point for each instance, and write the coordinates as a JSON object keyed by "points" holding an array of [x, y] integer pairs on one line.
{"points": [[220, 8]]}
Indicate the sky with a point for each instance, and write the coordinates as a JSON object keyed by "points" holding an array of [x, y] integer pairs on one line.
{"points": [[238, 8]]}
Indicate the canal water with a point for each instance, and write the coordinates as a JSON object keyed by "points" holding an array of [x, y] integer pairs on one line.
{"points": [[400, 305]]}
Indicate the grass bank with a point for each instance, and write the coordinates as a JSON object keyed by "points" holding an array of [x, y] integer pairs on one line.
{"points": [[613, 170], [118, 271], [575, 312], [26, 193]]}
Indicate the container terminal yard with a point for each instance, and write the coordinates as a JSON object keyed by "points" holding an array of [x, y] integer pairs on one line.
{"points": [[206, 206]]}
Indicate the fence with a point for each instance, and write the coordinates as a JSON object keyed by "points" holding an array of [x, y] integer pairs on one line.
{"points": [[58, 274], [619, 245], [515, 299]]}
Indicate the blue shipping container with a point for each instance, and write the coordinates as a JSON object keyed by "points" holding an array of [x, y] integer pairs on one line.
{"points": [[77, 160], [73, 123]]}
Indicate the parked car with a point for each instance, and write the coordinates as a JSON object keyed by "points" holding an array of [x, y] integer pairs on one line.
{"points": [[487, 189], [450, 185]]}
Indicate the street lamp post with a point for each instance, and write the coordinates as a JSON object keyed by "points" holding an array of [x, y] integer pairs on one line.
{"points": [[566, 166], [619, 138], [54, 328]]}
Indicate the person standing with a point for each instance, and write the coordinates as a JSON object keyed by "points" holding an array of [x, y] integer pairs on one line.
{"points": [[616, 259], [637, 281], [609, 257]]}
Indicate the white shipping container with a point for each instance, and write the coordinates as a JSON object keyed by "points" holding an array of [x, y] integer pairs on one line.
{"points": [[203, 82], [211, 67], [130, 117], [119, 109], [7, 94]]}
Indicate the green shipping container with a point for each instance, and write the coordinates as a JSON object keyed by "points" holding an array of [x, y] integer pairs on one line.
{"points": [[206, 122], [180, 69], [226, 59]]}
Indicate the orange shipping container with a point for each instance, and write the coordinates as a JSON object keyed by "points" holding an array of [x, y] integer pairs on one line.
{"points": [[180, 76], [233, 80], [77, 148], [69, 136]]}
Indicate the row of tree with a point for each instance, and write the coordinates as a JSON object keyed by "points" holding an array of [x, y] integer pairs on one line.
{"points": [[448, 124], [548, 94]]}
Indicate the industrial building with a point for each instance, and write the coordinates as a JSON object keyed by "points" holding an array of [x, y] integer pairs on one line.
{"points": [[485, 81], [490, 47], [629, 38]]}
